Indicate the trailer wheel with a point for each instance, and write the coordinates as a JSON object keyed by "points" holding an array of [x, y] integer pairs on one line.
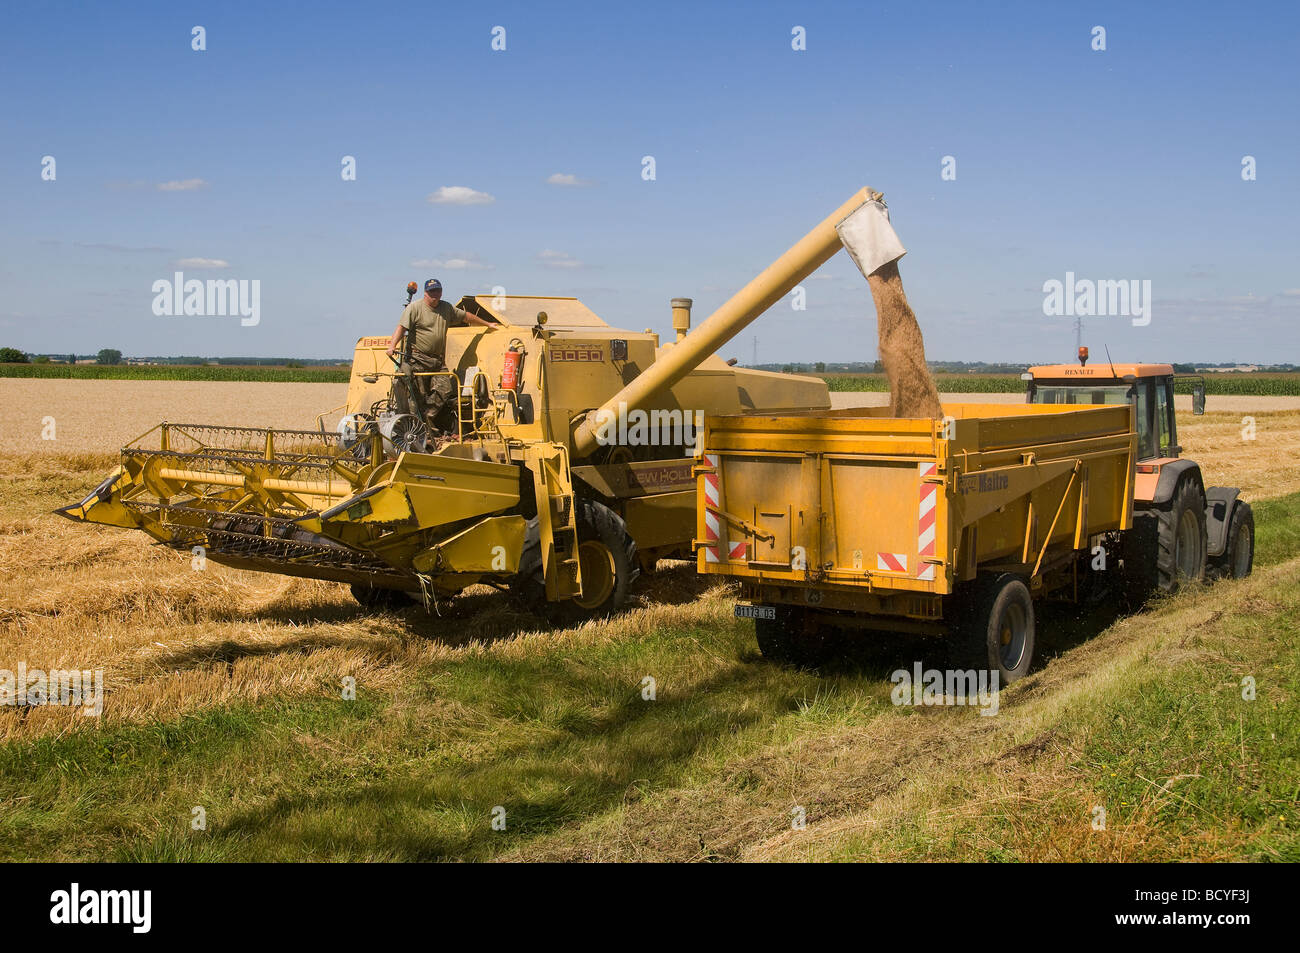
{"points": [[1239, 554], [997, 633], [775, 637], [792, 638], [606, 558]]}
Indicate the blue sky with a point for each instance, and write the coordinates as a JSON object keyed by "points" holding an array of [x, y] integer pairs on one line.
{"points": [[1119, 164]]}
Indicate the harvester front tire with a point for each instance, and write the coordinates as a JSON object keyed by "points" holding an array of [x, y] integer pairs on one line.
{"points": [[606, 556], [997, 631], [1239, 554], [380, 600]]}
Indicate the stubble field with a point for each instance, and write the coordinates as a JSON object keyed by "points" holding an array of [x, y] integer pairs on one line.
{"points": [[223, 692]]}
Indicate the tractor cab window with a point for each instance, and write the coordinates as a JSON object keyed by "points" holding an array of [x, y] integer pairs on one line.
{"points": [[1073, 394], [1151, 436], [1165, 425], [1146, 420]]}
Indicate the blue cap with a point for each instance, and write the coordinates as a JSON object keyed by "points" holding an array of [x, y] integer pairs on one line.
{"points": [[433, 284]]}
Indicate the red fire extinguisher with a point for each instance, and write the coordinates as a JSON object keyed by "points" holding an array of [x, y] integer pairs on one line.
{"points": [[511, 365]]}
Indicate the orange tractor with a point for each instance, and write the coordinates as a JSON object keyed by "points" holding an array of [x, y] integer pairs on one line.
{"points": [[1182, 530]]}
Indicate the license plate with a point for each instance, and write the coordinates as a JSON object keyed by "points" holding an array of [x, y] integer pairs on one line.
{"points": [[756, 612]]}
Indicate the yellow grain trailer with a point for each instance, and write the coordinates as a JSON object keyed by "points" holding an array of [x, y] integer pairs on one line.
{"points": [[857, 519]]}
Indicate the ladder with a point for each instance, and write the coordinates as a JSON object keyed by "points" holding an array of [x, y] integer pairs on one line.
{"points": [[557, 519]]}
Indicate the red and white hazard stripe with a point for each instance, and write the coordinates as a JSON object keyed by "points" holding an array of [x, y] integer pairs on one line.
{"points": [[712, 527], [710, 518], [925, 516], [891, 562]]}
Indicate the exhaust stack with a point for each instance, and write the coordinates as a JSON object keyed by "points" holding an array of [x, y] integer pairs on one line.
{"points": [[682, 317]]}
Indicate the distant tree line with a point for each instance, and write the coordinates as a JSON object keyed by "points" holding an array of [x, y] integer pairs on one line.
{"points": [[980, 367], [111, 356]]}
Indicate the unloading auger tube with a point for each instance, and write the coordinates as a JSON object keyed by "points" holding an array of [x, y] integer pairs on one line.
{"points": [[776, 280]]}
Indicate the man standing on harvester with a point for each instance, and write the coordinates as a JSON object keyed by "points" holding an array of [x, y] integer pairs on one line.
{"points": [[426, 320]]}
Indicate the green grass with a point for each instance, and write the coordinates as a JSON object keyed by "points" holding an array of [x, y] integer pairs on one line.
{"points": [[1262, 385], [1246, 384], [179, 372], [1277, 529], [554, 738], [947, 383], [563, 740], [1232, 761], [1269, 385], [1145, 718], [1184, 766]]}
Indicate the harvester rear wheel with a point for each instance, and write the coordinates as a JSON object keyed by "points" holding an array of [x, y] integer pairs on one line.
{"points": [[996, 634], [606, 558]]}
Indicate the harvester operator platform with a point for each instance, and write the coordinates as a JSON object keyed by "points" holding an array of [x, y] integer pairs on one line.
{"points": [[426, 320]]}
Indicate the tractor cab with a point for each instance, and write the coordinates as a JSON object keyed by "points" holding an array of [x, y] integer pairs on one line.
{"points": [[1148, 388], [1181, 527]]}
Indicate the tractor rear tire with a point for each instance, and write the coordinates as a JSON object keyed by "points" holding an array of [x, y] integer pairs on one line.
{"points": [[606, 558], [997, 630], [1166, 548], [1183, 538], [1238, 556]]}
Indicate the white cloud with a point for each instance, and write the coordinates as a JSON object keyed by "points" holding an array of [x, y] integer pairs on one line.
{"points": [[182, 185], [453, 263], [459, 195], [566, 178], [558, 259], [201, 263]]}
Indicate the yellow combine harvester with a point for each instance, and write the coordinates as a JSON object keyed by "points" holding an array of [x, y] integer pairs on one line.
{"points": [[857, 520], [537, 491]]}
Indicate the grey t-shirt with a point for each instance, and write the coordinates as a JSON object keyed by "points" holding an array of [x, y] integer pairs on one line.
{"points": [[428, 323]]}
